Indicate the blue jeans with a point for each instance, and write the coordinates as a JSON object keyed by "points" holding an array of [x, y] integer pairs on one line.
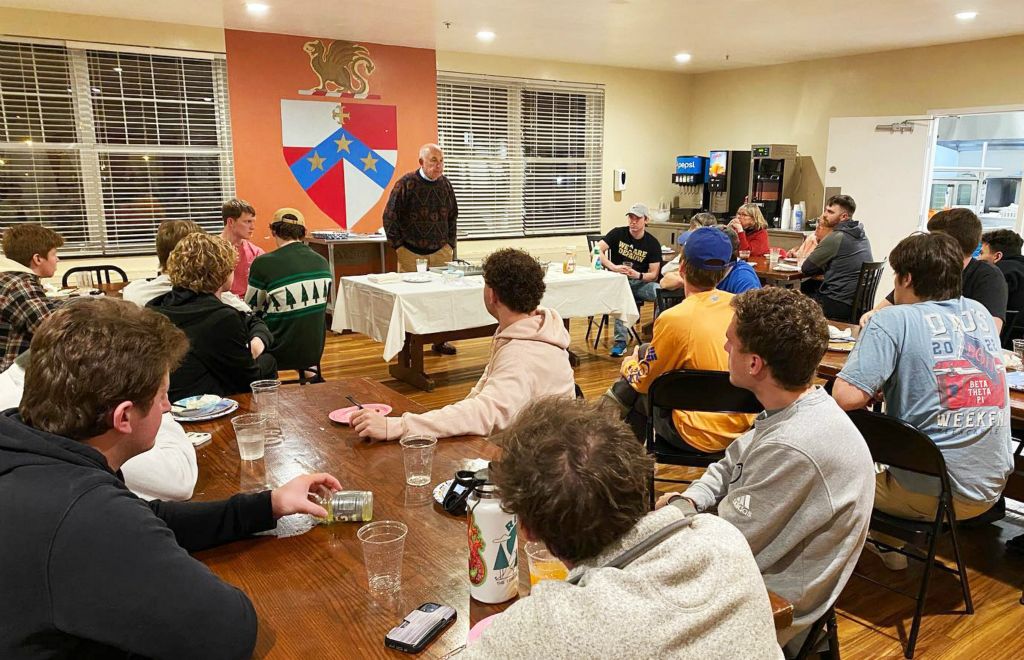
{"points": [[641, 291]]}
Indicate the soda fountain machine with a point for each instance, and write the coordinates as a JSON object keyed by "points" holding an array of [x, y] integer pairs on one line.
{"points": [[690, 176], [772, 172], [728, 176]]}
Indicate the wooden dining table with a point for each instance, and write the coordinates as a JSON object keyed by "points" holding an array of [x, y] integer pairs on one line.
{"points": [[307, 580], [785, 278]]}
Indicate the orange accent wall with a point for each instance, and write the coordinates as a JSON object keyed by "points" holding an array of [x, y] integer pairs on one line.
{"points": [[265, 68]]}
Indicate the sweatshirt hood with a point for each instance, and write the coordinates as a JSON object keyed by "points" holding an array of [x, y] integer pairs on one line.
{"points": [[183, 305], [21, 445], [851, 228], [545, 325]]}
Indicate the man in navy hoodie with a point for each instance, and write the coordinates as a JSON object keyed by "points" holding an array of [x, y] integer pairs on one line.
{"points": [[87, 568]]}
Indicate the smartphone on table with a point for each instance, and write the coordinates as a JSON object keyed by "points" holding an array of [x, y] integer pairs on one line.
{"points": [[420, 627]]}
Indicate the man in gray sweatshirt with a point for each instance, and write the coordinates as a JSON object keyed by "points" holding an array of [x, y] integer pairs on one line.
{"points": [[800, 485]]}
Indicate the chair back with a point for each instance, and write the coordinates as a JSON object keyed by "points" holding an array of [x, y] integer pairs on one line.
{"points": [[698, 390], [898, 444], [667, 298], [1007, 334], [592, 240], [867, 286], [101, 274]]}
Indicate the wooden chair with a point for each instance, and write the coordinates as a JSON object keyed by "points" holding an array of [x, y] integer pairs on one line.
{"points": [[867, 286], [101, 274]]}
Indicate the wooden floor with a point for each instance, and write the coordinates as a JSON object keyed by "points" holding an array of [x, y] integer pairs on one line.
{"points": [[872, 622]]}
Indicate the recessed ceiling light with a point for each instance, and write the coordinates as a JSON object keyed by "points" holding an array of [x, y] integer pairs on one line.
{"points": [[966, 15], [485, 35], [683, 58], [257, 7]]}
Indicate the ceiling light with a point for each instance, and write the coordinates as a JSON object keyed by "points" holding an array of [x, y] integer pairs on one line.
{"points": [[485, 35], [257, 7], [966, 15], [683, 58]]}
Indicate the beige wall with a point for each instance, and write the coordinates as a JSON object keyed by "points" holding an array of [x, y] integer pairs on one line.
{"points": [[645, 120], [792, 103]]}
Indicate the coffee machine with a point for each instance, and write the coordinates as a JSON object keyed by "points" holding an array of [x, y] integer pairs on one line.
{"points": [[690, 176], [771, 178], [728, 176]]}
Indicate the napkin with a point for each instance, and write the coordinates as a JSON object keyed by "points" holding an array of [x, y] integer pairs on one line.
{"points": [[385, 278], [835, 334]]}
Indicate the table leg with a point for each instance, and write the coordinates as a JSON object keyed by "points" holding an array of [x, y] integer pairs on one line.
{"points": [[409, 368]]}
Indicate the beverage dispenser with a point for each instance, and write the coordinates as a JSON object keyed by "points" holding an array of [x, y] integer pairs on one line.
{"points": [[690, 176], [772, 172], [728, 173]]}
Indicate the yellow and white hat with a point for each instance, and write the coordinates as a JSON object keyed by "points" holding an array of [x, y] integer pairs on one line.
{"points": [[290, 215]]}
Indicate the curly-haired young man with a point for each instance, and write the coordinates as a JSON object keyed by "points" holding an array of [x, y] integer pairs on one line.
{"points": [[799, 485], [529, 359]]}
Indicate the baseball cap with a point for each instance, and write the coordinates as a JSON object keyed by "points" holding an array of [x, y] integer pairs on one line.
{"points": [[639, 210], [290, 215], [708, 249], [685, 235]]}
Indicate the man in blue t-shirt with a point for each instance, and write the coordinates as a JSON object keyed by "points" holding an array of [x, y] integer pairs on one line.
{"points": [[935, 356]]}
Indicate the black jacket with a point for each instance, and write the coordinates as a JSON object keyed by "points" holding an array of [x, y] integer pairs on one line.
{"points": [[1013, 270], [218, 359], [87, 569]]}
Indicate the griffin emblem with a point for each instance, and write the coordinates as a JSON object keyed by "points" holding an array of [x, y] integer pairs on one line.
{"points": [[341, 66]]}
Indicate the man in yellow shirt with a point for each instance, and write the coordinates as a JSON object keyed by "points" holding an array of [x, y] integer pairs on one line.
{"points": [[690, 335]]}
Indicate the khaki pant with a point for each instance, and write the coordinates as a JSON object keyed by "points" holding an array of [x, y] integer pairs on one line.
{"points": [[894, 499], [407, 258]]}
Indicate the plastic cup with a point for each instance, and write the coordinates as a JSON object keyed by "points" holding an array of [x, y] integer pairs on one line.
{"points": [[83, 280], [265, 394], [250, 433], [744, 254], [543, 564], [383, 545], [421, 265], [418, 455], [773, 256], [1018, 348]]}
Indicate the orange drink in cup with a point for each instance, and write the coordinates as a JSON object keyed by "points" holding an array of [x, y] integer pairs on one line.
{"points": [[543, 564]]}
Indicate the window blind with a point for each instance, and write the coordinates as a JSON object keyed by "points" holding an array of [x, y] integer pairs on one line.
{"points": [[103, 145], [524, 156]]}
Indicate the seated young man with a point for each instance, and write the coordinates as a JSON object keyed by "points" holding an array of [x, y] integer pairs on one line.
{"points": [[1001, 248], [92, 570], [935, 356], [980, 281], [687, 336], [739, 276], [632, 251], [227, 349], [799, 485], [168, 471], [30, 253], [168, 234], [289, 288], [529, 359], [838, 257], [577, 480]]}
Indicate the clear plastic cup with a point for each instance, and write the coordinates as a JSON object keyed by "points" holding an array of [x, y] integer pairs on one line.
{"points": [[250, 433], [773, 256], [1018, 348], [83, 280], [383, 546], [418, 455], [421, 265], [744, 254], [543, 564], [265, 395]]}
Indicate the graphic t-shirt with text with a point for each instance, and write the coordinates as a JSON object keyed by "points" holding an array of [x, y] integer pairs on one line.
{"points": [[641, 252]]}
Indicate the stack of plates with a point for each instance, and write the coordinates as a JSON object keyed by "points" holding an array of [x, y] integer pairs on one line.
{"points": [[201, 408]]}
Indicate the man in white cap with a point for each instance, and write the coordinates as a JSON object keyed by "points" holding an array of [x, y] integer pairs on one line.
{"points": [[289, 288], [630, 250]]}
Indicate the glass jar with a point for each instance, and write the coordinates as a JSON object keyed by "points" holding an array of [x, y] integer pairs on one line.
{"points": [[345, 505], [569, 263]]}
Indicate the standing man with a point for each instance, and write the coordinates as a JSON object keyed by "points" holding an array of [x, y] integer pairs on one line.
{"points": [[838, 257], [420, 218], [239, 224], [630, 250]]}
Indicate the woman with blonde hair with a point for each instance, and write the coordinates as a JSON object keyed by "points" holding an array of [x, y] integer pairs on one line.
{"points": [[226, 347], [752, 229]]}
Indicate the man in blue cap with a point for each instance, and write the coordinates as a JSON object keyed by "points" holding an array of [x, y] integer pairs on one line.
{"points": [[690, 335]]}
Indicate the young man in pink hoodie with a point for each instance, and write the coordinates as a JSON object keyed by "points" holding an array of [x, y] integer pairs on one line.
{"points": [[529, 360]]}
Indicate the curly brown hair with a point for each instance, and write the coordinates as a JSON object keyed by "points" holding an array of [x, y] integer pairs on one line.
{"points": [[574, 474], [516, 278], [201, 263], [77, 376], [786, 329], [934, 263], [168, 235], [962, 225], [22, 242]]}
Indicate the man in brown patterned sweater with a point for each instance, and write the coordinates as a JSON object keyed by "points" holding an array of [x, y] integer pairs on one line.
{"points": [[420, 217]]}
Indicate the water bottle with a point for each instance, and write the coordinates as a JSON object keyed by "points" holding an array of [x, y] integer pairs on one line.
{"points": [[597, 257], [798, 218], [493, 556]]}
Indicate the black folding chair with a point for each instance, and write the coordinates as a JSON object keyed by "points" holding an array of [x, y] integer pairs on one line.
{"points": [[101, 274], [822, 638], [867, 286], [693, 390], [897, 444], [667, 298], [1007, 334]]}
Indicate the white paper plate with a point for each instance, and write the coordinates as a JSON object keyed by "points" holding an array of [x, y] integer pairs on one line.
{"points": [[226, 407], [417, 278]]}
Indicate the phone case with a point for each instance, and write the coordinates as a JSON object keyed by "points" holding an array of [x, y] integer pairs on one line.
{"points": [[420, 627]]}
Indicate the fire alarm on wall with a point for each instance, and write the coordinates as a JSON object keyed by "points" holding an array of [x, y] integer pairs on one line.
{"points": [[619, 180]]}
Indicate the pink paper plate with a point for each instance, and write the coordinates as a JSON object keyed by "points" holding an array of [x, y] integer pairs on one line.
{"points": [[342, 415]]}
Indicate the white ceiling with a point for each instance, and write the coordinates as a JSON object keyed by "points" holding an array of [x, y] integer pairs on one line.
{"points": [[633, 33]]}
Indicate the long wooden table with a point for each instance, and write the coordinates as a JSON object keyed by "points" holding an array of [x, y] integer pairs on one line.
{"points": [[783, 278], [307, 581]]}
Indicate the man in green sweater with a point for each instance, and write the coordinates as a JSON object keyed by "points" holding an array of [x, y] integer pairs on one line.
{"points": [[290, 288]]}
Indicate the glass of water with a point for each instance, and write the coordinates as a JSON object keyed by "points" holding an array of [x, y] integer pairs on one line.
{"points": [[383, 546], [265, 394], [421, 265], [250, 433], [418, 455]]}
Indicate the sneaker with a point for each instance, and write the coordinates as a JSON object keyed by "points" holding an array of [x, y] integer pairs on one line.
{"points": [[894, 561], [443, 348], [618, 349]]}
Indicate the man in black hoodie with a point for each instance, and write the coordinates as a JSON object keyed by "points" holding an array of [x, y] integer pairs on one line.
{"points": [[1001, 248], [87, 569], [839, 257]]}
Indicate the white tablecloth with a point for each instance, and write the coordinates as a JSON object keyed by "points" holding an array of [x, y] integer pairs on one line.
{"points": [[385, 312]]}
